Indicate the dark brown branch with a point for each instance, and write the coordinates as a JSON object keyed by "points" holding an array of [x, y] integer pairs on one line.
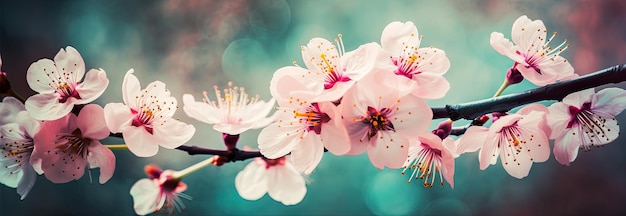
{"points": [[230, 155]]}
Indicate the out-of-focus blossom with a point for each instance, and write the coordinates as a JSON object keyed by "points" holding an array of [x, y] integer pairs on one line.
{"points": [[59, 85], [145, 118], [518, 139], [161, 190], [534, 58], [17, 129], [330, 70], [277, 177], [381, 122], [419, 70], [584, 119], [430, 157], [233, 113], [5, 85], [67, 145]]}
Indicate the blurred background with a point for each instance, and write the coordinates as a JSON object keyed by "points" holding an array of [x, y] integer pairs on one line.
{"points": [[195, 44]]}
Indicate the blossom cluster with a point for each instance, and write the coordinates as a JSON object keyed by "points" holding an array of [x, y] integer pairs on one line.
{"points": [[372, 99]]}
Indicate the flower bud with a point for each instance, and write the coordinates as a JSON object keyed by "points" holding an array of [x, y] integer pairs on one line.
{"points": [[513, 76]]}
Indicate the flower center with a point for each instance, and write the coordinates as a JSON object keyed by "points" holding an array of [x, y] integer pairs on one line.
{"points": [[18, 150], [540, 52], [143, 118], [274, 162], [427, 166], [233, 104], [73, 143], [313, 117], [66, 91], [593, 126], [332, 75], [513, 141], [377, 121]]}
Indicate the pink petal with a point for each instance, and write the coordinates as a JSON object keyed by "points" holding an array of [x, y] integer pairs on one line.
{"points": [[278, 139], [609, 102], [411, 115], [55, 167], [504, 47], [516, 30], [265, 121], [307, 154], [292, 81], [517, 165], [451, 145], [9, 109], [72, 63], [335, 93], [504, 121], [334, 134], [535, 77], [434, 61], [390, 150], [397, 35], [251, 183], [285, 184], [358, 63], [557, 65], [358, 138], [139, 141], [145, 193], [92, 123], [543, 125], [171, 133], [199, 110], [37, 78], [311, 54], [93, 86], [103, 157], [566, 146], [117, 116], [131, 88], [530, 34], [47, 106], [473, 139], [258, 111], [488, 154], [578, 98], [430, 86], [232, 129], [447, 167], [558, 119], [27, 182]]}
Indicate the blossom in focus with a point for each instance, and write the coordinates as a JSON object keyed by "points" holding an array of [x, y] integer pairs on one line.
{"points": [[330, 70], [232, 113], [17, 129], [67, 145], [419, 70], [277, 177], [381, 122], [60, 85], [584, 119], [304, 129], [160, 190], [431, 158], [518, 139], [145, 118], [534, 58]]}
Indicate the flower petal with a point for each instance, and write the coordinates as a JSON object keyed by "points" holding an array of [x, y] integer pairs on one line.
{"points": [[609, 102], [566, 146], [411, 115], [27, 182], [37, 76], [397, 35], [285, 184], [47, 106], [578, 98], [307, 154], [251, 183], [558, 119], [171, 133], [292, 81], [278, 139], [69, 61], [473, 139], [92, 123], [139, 141], [93, 86], [199, 110], [131, 88], [101, 156], [9, 108], [518, 25], [145, 193], [504, 46], [117, 116], [488, 154], [430, 86], [389, 150], [334, 134]]}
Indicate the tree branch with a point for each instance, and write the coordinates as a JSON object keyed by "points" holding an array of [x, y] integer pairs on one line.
{"points": [[230, 155]]}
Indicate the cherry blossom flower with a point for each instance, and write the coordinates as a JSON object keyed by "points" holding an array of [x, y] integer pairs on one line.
{"points": [[381, 122], [517, 138], [162, 189], [304, 129], [419, 70], [277, 177], [584, 119], [429, 157], [330, 70], [534, 58], [145, 118], [67, 145], [233, 113], [59, 85], [17, 129]]}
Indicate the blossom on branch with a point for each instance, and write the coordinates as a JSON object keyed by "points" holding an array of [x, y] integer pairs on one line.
{"points": [[430, 157], [145, 118], [534, 58], [67, 145], [584, 119], [59, 85], [17, 129], [419, 70], [160, 190], [276, 177], [233, 113]]}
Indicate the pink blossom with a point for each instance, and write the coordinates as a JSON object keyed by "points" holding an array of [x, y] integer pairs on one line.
{"points": [[277, 177], [17, 129], [517, 138], [162, 189], [67, 145], [59, 85], [304, 129], [534, 58], [584, 119], [232, 113], [419, 70], [145, 118], [381, 122], [330, 70], [429, 157]]}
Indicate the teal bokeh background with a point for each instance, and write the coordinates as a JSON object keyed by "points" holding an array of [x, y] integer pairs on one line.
{"points": [[193, 45]]}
